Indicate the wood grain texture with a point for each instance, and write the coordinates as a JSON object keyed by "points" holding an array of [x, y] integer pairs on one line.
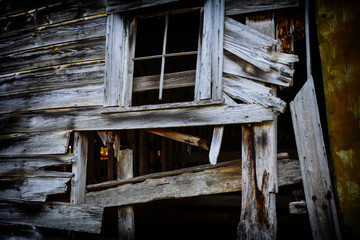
{"points": [[235, 7], [60, 76], [64, 53], [91, 119], [79, 29], [34, 143], [314, 164], [216, 144], [53, 215], [195, 181]]}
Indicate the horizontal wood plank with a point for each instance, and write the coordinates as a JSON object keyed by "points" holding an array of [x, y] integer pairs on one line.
{"points": [[48, 14], [70, 52], [252, 92], [91, 119], [171, 80], [84, 28], [201, 180], [53, 215], [34, 143], [34, 189], [67, 75], [235, 7], [80, 96]]}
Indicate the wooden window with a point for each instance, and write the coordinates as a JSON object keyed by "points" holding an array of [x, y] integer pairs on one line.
{"points": [[168, 57]]}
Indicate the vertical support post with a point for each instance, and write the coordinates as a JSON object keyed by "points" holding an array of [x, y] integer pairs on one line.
{"points": [[259, 173], [216, 144], [258, 209], [126, 222], [78, 182]]}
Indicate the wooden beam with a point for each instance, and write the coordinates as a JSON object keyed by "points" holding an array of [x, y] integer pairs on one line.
{"points": [[53, 215], [181, 137], [189, 182], [216, 144], [78, 182], [126, 220], [114, 6]]}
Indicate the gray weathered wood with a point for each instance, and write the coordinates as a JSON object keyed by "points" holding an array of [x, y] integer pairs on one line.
{"points": [[63, 53], [53, 77], [79, 29], [314, 165], [34, 143], [88, 119], [216, 144], [236, 66], [181, 137], [53, 215], [195, 181], [78, 96], [78, 182], [235, 7], [258, 212], [33, 163], [47, 14], [312, 155], [126, 220], [114, 6], [171, 80], [114, 58], [209, 67], [252, 92], [34, 189]]}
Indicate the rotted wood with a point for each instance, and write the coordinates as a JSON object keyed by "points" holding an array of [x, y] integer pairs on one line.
{"points": [[188, 182], [53, 215], [181, 137], [235, 7]]}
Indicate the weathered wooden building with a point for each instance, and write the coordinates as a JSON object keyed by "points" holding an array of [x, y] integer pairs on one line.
{"points": [[161, 119]]}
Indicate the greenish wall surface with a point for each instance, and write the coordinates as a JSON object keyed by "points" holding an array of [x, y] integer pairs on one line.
{"points": [[338, 25]]}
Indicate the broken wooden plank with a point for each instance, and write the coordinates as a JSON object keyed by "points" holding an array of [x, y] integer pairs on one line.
{"points": [[91, 72], [63, 53], [34, 189], [238, 67], [53, 215], [235, 7], [91, 119], [34, 143], [181, 137], [79, 29], [33, 163], [171, 80], [252, 92], [195, 181], [78, 96], [216, 144]]}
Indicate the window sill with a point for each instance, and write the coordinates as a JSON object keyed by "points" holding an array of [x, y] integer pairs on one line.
{"points": [[202, 103]]}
